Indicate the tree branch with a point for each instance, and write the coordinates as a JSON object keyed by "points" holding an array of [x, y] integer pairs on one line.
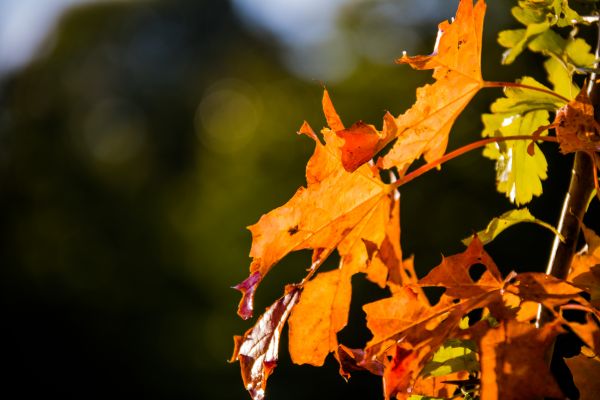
{"points": [[575, 203]]}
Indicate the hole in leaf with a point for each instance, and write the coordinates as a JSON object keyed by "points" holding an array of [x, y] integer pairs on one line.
{"points": [[575, 315], [476, 271], [434, 293], [586, 296], [475, 316]]}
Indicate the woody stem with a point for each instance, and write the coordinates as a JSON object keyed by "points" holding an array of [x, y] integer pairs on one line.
{"points": [[462, 150], [575, 203]]}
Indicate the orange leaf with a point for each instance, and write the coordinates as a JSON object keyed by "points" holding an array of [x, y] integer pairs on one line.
{"points": [[362, 141], [322, 215], [586, 371], [320, 314], [257, 351], [585, 268], [513, 364], [453, 273], [456, 64], [588, 332], [401, 370], [387, 317]]}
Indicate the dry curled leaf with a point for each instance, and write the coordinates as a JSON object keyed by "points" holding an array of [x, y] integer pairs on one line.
{"points": [[258, 349], [576, 127]]}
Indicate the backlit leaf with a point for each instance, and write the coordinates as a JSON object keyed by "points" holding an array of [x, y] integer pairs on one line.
{"points": [[519, 175], [506, 220], [513, 362], [456, 63], [453, 356], [321, 313], [258, 349], [323, 214]]}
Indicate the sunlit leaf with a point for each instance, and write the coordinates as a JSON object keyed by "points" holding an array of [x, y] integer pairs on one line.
{"points": [[453, 356], [506, 220], [519, 174], [456, 63]]}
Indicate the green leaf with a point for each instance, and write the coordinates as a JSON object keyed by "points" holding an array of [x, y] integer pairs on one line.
{"points": [[548, 43], [453, 356], [518, 174], [561, 78], [521, 112], [506, 220], [556, 11], [538, 16], [532, 31], [579, 53], [528, 16]]}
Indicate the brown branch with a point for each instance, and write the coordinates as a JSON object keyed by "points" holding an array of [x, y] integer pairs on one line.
{"points": [[575, 203]]}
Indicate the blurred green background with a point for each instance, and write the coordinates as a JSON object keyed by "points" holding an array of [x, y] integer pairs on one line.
{"points": [[141, 137]]}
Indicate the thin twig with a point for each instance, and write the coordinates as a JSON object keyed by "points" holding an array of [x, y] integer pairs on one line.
{"points": [[488, 84], [462, 150], [575, 204]]}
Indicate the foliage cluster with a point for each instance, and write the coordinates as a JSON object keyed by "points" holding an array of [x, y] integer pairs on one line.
{"points": [[484, 337]]}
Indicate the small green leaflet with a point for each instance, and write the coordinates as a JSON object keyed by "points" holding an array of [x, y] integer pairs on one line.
{"points": [[453, 356], [506, 220], [538, 17], [519, 175]]}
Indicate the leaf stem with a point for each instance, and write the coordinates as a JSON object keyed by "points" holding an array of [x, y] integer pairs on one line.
{"points": [[488, 84], [462, 150]]}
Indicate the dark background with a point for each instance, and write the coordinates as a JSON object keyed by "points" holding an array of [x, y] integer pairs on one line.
{"points": [[143, 139]]}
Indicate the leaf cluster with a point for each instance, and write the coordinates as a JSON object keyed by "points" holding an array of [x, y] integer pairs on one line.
{"points": [[480, 340]]}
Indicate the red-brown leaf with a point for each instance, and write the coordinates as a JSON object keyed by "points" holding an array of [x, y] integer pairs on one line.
{"points": [[586, 371], [513, 362], [576, 127], [453, 273], [258, 349]]}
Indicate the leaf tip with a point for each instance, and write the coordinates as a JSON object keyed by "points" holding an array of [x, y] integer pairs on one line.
{"points": [[248, 287]]}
